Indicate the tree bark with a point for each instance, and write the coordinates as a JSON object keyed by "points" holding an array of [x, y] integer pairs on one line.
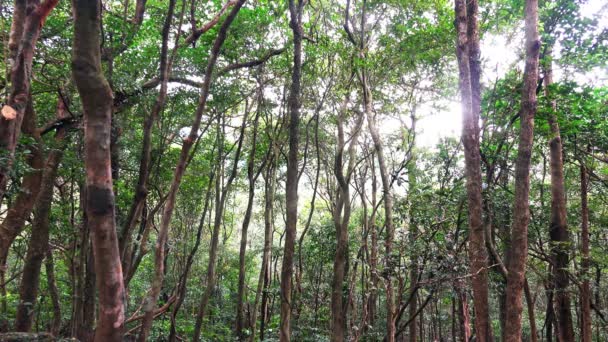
{"points": [[96, 97], [291, 190], [516, 263], [586, 332], [469, 72]]}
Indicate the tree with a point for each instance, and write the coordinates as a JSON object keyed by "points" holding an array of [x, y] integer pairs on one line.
{"points": [[96, 97], [516, 262]]}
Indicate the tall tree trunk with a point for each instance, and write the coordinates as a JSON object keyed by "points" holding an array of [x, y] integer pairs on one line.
{"points": [[373, 260], [141, 189], [38, 245], [220, 203], [516, 263], [531, 314], [469, 72], [180, 168], [182, 286], [388, 210], [21, 209], [252, 177], [291, 190], [558, 230], [96, 97], [341, 216], [28, 19], [586, 332], [264, 279], [49, 266]]}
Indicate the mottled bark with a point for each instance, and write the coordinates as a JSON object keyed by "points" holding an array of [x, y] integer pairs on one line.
{"points": [[96, 97], [516, 263], [291, 188], [180, 168]]}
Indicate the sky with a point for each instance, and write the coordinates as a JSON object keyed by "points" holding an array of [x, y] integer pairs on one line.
{"points": [[498, 55]]}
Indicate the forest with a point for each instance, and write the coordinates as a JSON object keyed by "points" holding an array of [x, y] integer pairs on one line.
{"points": [[304, 170]]}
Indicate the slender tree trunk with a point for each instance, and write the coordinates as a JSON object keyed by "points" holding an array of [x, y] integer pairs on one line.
{"points": [[96, 97], [22, 207], [291, 190], [373, 260], [388, 210], [182, 286], [558, 230], [341, 216], [180, 168], [220, 202], [264, 279], [586, 332], [531, 314], [39, 242], [516, 263], [54, 292], [252, 178], [141, 190]]}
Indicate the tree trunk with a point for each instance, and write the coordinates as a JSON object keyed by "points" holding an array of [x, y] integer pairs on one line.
{"points": [[180, 168], [96, 97], [531, 315], [586, 332], [141, 189], [22, 207], [558, 229], [264, 279], [516, 263], [388, 210], [220, 202], [54, 292], [252, 178], [291, 188], [469, 72], [38, 245], [182, 286], [341, 216]]}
